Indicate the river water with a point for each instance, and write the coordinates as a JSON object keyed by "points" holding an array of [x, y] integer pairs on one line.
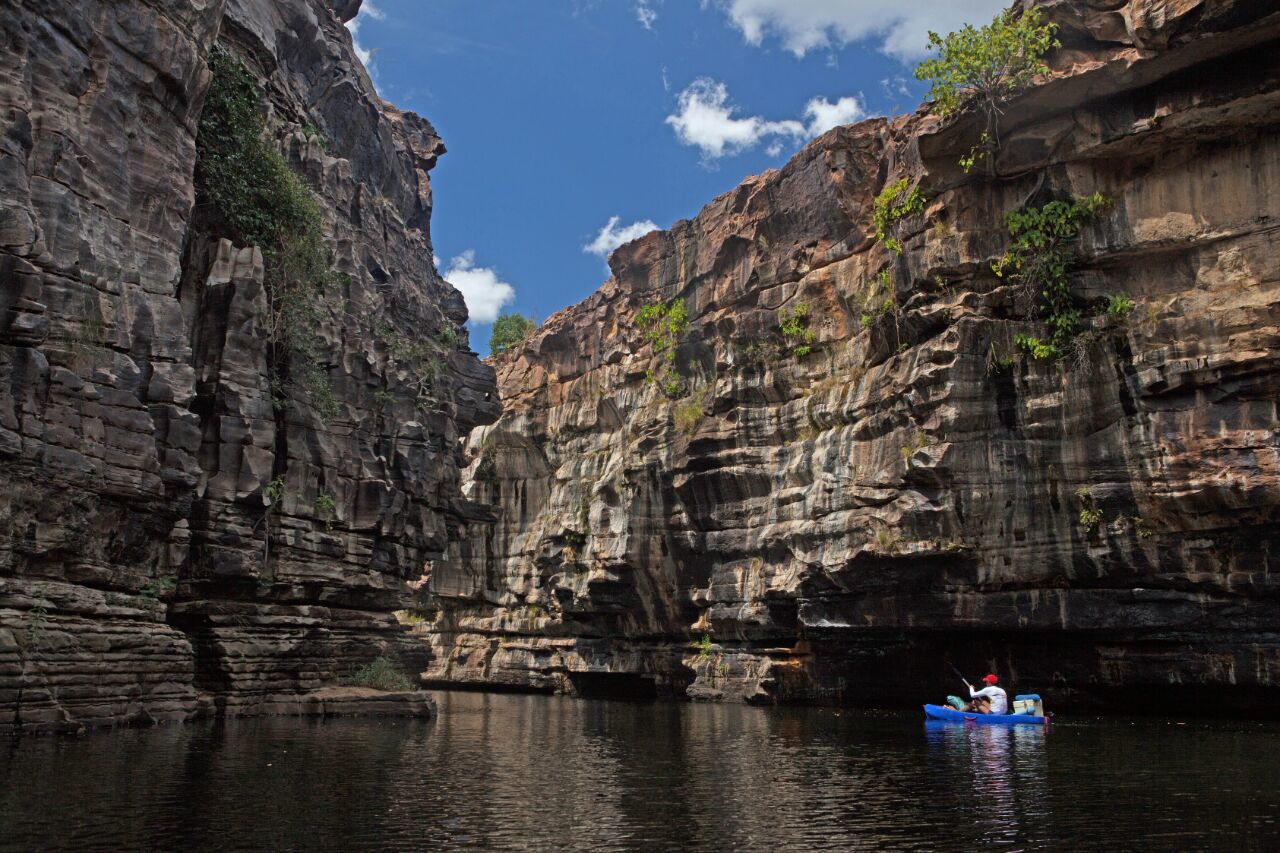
{"points": [[537, 772]]}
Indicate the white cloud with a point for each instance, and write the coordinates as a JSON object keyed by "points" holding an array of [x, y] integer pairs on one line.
{"points": [[901, 26], [646, 14], [824, 115], [704, 118], [370, 12], [611, 236], [484, 293]]}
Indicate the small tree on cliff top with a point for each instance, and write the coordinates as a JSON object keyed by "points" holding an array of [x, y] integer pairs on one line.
{"points": [[987, 65], [509, 330]]}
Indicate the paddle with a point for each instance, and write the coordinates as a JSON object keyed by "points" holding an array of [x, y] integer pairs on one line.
{"points": [[961, 675]]}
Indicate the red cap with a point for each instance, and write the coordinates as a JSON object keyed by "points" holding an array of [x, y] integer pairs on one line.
{"points": [[990, 679]]}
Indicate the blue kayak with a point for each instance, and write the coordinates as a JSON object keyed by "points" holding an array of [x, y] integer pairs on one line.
{"points": [[951, 715]]}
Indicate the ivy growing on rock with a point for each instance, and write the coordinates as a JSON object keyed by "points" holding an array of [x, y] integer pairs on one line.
{"points": [[1039, 259], [313, 135], [249, 194], [1120, 305], [273, 495], [895, 203], [1036, 348], [1090, 512], [448, 336], [161, 587], [987, 66], [421, 358], [881, 299], [663, 324], [326, 504], [794, 325]]}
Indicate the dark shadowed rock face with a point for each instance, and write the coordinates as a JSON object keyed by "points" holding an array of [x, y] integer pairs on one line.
{"points": [[839, 526], [346, 9], [141, 566]]}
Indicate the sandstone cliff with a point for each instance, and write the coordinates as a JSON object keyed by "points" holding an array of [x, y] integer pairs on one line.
{"points": [[178, 531], [838, 525]]}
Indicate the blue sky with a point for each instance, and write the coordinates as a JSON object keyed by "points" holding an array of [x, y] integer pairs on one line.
{"points": [[560, 115]]}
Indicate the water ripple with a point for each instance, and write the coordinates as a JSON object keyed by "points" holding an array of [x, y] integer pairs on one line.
{"points": [[546, 773]]}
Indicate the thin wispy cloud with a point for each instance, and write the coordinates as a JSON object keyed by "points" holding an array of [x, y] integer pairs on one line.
{"points": [[613, 235], [895, 86], [646, 14], [705, 119], [368, 12], [900, 28], [485, 293]]}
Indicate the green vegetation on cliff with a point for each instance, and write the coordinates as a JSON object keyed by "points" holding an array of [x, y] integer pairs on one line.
{"points": [[794, 325], [894, 204], [663, 324], [248, 193], [987, 66], [1039, 259], [380, 674], [509, 330]]}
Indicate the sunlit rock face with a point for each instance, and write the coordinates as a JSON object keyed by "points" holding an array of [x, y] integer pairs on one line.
{"points": [[840, 526], [143, 573]]}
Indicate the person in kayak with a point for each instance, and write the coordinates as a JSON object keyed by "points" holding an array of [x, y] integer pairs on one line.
{"points": [[995, 695], [981, 705]]}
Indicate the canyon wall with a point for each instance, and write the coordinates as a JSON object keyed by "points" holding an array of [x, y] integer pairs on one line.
{"points": [[180, 533], [841, 525]]}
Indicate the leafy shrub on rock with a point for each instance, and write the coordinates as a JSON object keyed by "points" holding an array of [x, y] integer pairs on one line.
{"points": [[1120, 305], [895, 203], [1039, 259], [509, 330], [688, 414], [379, 674], [987, 66], [794, 325], [663, 324]]}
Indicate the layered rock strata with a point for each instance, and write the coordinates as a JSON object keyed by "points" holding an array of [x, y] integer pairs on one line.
{"points": [[917, 490], [178, 533]]}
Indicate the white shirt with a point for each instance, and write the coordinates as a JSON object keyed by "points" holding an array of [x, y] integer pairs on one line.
{"points": [[999, 700]]}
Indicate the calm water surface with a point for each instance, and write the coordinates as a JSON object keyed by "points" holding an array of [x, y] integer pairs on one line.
{"points": [[534, 772]]}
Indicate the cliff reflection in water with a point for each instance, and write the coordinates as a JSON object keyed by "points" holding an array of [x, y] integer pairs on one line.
{"points": [[537, 772]]}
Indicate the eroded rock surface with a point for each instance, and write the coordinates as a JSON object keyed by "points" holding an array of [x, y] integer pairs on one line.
{"points": [[839, 526], [145, 572]]}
